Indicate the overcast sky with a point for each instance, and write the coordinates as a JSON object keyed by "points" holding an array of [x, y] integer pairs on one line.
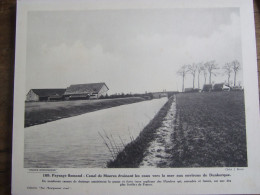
{"points": [[129, 50]]}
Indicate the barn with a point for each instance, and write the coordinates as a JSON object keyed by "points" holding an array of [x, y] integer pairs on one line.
{"points": [[221, 87], [45, 94], [207, 88], [85, 91]]}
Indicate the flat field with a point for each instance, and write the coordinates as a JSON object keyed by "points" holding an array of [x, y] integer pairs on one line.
{"points": [[209, 130], [43, 112]]}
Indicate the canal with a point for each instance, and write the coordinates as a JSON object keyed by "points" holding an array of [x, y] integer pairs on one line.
{"points": [[79, 142]]}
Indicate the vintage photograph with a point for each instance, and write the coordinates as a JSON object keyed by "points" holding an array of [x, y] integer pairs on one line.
{"points": [[134, 88]]}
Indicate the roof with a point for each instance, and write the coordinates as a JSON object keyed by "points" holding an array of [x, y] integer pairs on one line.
{"points": [[48, 92], [85, 88], [219, 85], [207, 86]]}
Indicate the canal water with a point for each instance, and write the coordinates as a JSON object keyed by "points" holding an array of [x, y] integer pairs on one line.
{"points": [[80, 141]]}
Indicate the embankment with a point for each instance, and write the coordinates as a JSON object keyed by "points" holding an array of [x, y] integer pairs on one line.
{"points": [[133, 153], [42, 112]]}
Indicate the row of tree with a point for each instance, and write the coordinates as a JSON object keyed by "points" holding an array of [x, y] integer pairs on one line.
{"points": [[123, 95], [208, 69]]}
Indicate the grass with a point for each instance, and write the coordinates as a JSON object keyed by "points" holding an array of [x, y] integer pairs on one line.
{"points": [[133, 153], [209, 130], [43, 112]]}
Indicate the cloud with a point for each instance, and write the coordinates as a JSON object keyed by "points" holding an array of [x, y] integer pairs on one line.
{"points": [[64, 64], [136, 61]]}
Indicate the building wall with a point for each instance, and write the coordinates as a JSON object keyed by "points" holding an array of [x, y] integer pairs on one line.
{"points": [[102, 91], [31, 96]]}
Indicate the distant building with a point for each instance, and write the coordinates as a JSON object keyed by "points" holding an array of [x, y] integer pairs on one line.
{"points": [[207, 88], [221, 87], [85, 91], [73, 92], [45, 94]]}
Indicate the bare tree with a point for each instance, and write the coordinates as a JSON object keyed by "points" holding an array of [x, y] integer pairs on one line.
{"points": [[236, 67], [205, 73], [228, 69], [182, 72], [200, 68], [211, 66], [192, 69]]}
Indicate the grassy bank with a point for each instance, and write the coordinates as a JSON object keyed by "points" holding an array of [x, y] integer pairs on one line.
{"points": [[43, 112], [209, 130], [133, 153]]}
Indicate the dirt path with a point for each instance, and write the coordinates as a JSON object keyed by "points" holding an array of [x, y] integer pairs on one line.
{"points": [[157, 154]]}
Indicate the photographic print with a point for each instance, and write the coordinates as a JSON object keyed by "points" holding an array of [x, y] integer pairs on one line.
{"points": [[134, 88]]}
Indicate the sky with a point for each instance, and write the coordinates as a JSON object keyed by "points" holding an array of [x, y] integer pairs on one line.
{"points": [[133, 51]]}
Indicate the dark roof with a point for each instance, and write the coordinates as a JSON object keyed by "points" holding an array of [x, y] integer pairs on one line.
{"points": [[85, 88], [207, 86], [219, 85], [48, 92]]}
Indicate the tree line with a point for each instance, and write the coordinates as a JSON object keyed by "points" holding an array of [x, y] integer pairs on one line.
{"points": [[123, 95], [209, 69]]}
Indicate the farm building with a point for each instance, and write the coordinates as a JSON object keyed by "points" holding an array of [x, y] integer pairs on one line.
{"points": [[45, 94], [85, 91], [207, 88], [221, 87]]}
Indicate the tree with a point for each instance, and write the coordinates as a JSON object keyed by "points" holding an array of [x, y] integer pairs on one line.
{"points": [[205, 73], [236, 67], [211, 66], [228, 70], [182, 72], [192, 69], [200, 68]]}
